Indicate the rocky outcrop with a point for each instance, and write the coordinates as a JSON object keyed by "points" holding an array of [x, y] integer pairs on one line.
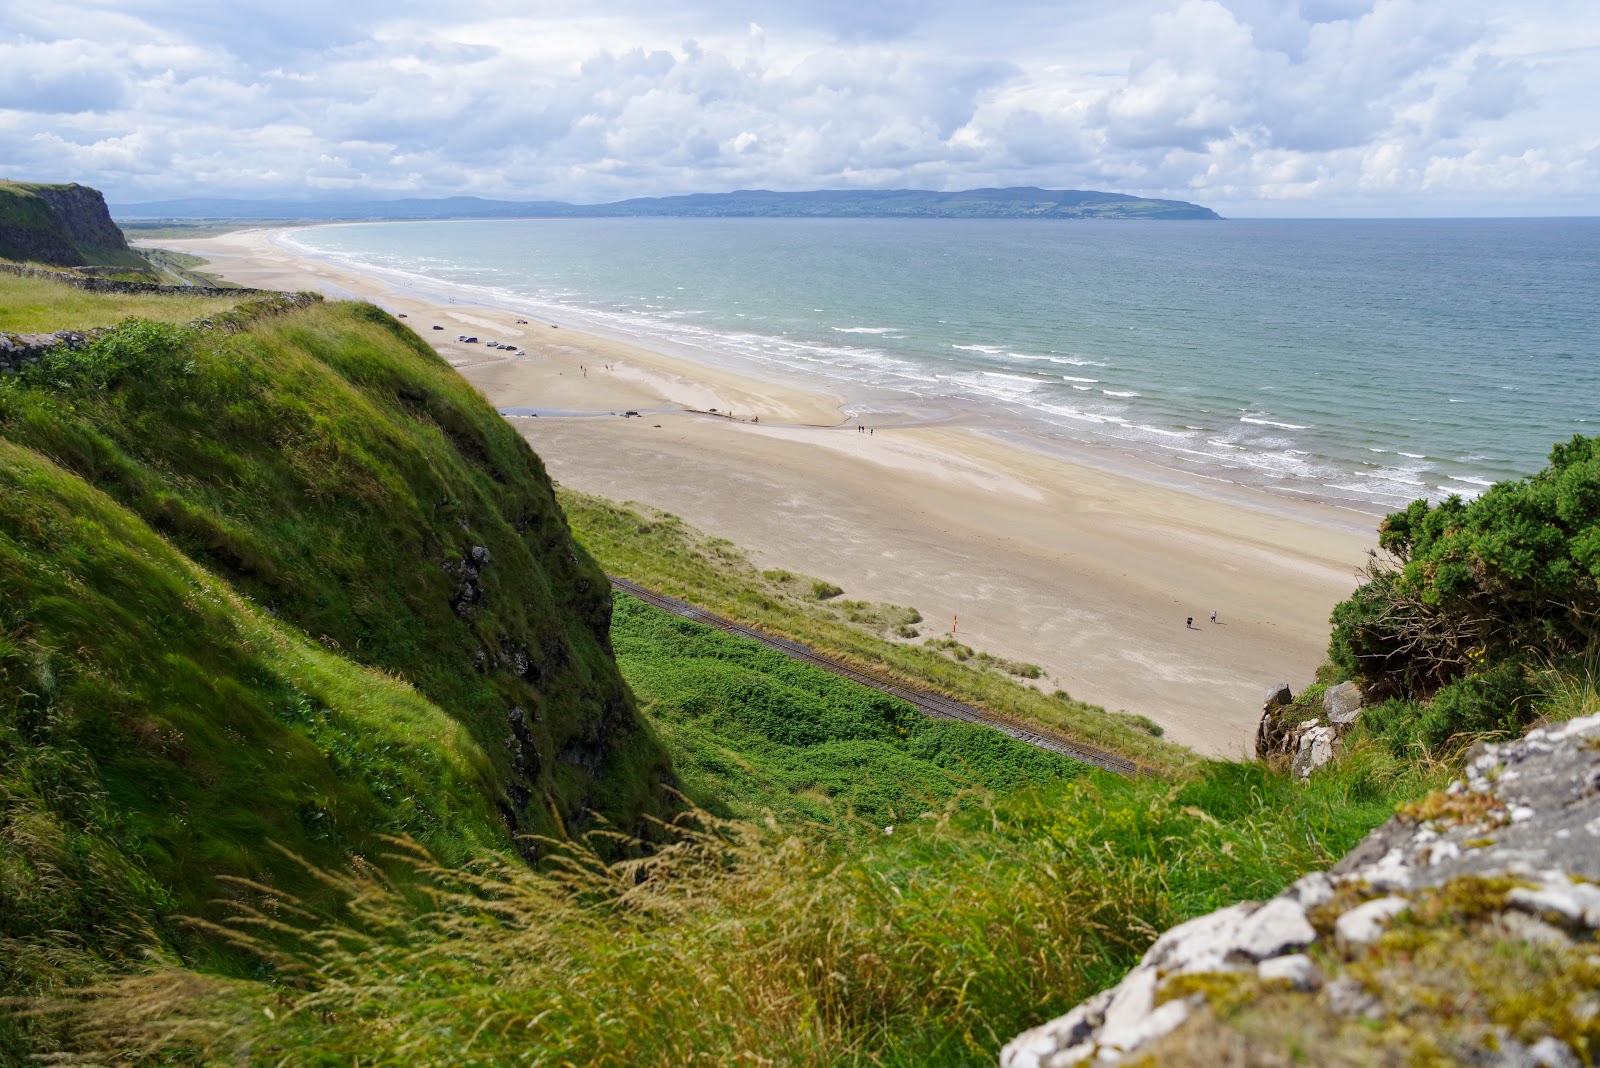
{"points": [[84, 215], [1343, 703], [64, 225], [1463, 929], [1308, 743]]}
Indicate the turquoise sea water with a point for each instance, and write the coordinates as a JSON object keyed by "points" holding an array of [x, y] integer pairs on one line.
{"points": [[1367, 362]]}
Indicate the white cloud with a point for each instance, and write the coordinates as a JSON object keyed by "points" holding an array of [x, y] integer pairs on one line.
{"points": [[1249, 105]]}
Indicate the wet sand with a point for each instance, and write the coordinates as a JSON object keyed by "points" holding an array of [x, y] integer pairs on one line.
{"points": [[1088, 566]]}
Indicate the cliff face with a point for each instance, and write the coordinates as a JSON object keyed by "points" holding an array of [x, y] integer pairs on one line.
{"points": [[1463, 931], [61, 225]]}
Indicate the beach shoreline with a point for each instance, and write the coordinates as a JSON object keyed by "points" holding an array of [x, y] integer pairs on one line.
{"points": [[1087, 565]]}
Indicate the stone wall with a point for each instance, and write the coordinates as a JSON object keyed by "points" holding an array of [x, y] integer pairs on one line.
{"points": [[111, 285], [21, 350]]}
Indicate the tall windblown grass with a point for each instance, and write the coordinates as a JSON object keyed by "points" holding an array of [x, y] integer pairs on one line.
{"points": [[737, 942]]}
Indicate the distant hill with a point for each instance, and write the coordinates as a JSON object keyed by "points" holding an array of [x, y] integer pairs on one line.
{"points": [[63, 226], [1017, 203]]}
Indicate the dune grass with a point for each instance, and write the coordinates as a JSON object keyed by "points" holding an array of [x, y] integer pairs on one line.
{"points": [[38, 305], [661, 552]]}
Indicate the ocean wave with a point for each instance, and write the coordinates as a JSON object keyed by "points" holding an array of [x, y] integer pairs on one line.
{"points": [[991, 350], [1119, 392], [864, 329], [1075, 378], [1269, 422]]}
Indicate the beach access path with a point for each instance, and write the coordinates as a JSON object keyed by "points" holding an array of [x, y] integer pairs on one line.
{"points": [[1086, 565]]}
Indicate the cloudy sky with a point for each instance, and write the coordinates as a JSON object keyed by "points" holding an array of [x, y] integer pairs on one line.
{"points": [[1254, 107]]}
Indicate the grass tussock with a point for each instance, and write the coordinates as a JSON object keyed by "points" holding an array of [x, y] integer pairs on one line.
{"points": [[38, 305], [745, 942], [662, 552]]}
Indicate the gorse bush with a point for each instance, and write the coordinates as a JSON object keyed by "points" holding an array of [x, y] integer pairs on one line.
{"points": [[1511, 575], [1473, 599]]}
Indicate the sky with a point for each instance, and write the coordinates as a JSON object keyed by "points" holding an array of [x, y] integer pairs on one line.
{"points": [[1252, 107]]}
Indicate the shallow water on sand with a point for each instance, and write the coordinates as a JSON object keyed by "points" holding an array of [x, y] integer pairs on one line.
{"points": [[1364, 362]]}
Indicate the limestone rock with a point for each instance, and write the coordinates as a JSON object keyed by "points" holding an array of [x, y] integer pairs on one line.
{"points": [[1343, 703], [1278, 696], [1278, 927], [1367, 921], [1533, 813], [1314, 749], [1296, 969]]}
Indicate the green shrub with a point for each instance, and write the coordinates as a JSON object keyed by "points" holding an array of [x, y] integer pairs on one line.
{"points": [[824, 591], [1467, 585]]}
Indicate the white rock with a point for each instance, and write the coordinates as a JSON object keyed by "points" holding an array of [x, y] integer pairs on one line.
{"points": [[1573, 902], [1442, 852], [1071, 1057], [1366, 922], [1166, 1019], [1314, 750], [1130, 1005], [1521, 814], [1343, 703], [1311, 890], [1278, 927], [1200, 945], [1551, 1052], [1296, 969]]}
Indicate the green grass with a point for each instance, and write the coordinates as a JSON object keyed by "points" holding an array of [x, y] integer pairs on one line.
{"points": [[931, 946], [37, 305], [752, 731], [181, 268], [663, 553], [234, 616]]}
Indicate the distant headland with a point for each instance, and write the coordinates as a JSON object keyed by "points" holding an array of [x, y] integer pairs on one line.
{"points": [[1014, 203]]}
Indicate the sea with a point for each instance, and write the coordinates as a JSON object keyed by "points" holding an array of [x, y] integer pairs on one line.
{"points": [[1364, 363]]}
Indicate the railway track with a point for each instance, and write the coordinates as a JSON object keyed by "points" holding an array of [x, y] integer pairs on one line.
{"points": [[933, 705]]}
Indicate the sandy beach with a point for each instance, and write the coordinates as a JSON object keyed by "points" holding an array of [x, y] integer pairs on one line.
{"points": [[1088, 569]]}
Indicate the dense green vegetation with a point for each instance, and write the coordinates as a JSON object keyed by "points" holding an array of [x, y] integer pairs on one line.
{"points": [[290, 585], [39, 305], [752, 731], [933, 945], [663, 553], [1476, 601]]}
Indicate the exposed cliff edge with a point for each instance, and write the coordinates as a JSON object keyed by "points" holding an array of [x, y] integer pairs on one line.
{"points": [[61, 225], [1461, 931]]}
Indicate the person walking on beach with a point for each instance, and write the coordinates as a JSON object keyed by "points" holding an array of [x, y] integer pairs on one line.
{"points": [[1213, 617], [1188, 624]]}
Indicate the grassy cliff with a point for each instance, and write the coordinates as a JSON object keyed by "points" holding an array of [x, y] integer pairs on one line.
{"points": [[283, 587]]}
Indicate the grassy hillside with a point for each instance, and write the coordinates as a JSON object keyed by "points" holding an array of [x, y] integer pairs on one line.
{"points": [[663, 553], [294, 585], [38, 305]]}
